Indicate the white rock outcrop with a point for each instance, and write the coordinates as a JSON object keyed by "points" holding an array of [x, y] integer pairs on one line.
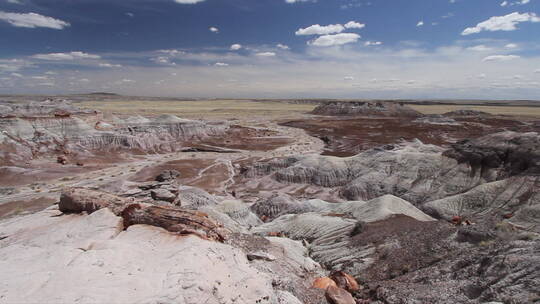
{"points": [[89, 259]]}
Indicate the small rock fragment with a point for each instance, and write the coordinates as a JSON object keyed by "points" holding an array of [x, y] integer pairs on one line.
{"points": [[457, 220], [508, 215], [275, 234], [61, 159], [259, 255]]}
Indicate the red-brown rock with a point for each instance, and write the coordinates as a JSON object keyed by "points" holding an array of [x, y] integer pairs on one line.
{"points": [[345, 281], [457, 220], [336, 295], [323, 283], [61, 159], [508, 215]]}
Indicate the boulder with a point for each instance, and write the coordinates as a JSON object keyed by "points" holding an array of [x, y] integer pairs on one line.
{"points": [[324, 283], [336, 295], [345, 281], [163, 195]]}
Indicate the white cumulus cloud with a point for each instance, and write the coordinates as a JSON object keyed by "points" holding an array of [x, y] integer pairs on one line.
{"points": [[354, 25], [236, 47], [370, 43], [109, 65], [66, 56], [318, 29], [337, 39], [188, 1], [479, 48], [500, 58], [32, 20], [282, 46], [266, 54], [502, 23], [213, 29], [518, 2]]}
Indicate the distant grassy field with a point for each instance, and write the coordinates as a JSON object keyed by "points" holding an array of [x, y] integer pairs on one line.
{"points": [[204, 109], [498, 110]]}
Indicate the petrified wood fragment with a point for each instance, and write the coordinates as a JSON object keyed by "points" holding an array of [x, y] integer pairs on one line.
{"points": [[173, 219]]}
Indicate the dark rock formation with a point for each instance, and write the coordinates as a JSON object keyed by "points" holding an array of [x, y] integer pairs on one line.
{"points": [[510, 153]]}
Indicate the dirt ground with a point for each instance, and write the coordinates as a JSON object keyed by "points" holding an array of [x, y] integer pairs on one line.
{"points": [[19, 207], [349, 136]]}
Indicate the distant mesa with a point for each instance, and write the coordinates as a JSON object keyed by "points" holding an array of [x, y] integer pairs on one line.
{"points": [[366, 108]]}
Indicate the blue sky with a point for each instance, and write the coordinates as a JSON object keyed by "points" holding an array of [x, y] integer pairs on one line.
{"points": [[273, 48]]}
